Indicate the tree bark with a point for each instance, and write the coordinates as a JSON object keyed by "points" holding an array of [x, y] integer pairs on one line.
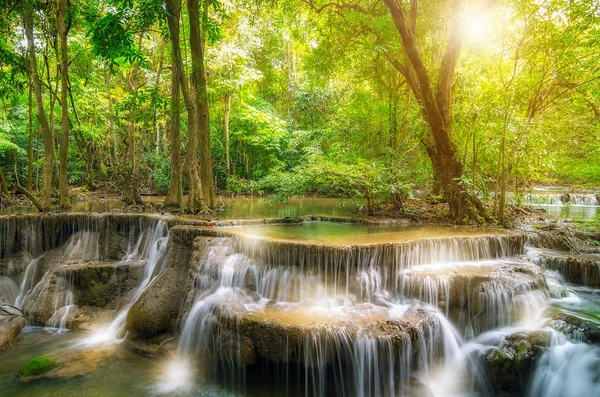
{"points": [[3, 184], [111, 121], [30, 148], [63, 20], [205, 197], [41, 113], [226, 113], [174, 197]]}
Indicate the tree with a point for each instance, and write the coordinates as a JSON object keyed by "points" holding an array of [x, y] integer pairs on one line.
{"points": [[41, 112], [63, 19]]}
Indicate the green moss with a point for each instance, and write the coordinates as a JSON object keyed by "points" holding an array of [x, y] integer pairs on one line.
{"points": [[37, 366]]}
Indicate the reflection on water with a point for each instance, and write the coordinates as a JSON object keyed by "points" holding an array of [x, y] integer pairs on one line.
{"points": [[337, 233], [568, 211], [228, 208]]}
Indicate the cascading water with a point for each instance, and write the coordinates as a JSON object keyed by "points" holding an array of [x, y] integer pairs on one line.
{"points": [[568, 368], [151, 246], [48, 279], [341, 293], [427, 317], [562, 199]]}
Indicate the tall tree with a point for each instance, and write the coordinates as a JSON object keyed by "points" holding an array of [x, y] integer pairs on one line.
{"points": [[175, 194], [41, 112], [436, 105], [204, 189], [63, 20]]}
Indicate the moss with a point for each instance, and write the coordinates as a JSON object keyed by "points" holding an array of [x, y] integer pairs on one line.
{"points": [[37, 366]]}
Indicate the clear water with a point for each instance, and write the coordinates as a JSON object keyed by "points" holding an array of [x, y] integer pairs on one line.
{"points": [[336, 233], [228, 208], [114, 378], [569, 211]]}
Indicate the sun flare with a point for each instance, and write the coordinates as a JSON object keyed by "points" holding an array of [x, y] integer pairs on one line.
{"points": [[477, 27]]}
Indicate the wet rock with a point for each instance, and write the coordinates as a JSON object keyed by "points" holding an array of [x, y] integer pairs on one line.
{"points": [[8, 290], [158, 308], [565, 198], [96, 284], [577, 269], [510, 366], [10, 328], [71, 363], [577, 325], [161, 346], [565, 239], [15, 264]]}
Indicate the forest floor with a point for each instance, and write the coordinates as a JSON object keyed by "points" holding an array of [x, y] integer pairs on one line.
{"points": [[420, 210]]}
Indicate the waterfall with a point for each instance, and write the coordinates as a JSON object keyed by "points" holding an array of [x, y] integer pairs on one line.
{"points": [[567, 369], [344, 347], [57, 247], [151, 246], [590, 199]]}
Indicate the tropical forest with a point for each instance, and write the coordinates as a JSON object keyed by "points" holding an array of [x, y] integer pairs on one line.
{"points": [[318, 198]]}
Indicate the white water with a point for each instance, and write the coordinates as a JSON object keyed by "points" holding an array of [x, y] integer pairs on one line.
{"points": [[151, 247], [567, 369]]}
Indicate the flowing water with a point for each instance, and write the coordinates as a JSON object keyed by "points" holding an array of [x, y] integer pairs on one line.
{"points": [[562, 203], [312, 309]]}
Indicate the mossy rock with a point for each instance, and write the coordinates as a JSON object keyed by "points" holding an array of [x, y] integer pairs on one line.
{"points": [[37, 366]]}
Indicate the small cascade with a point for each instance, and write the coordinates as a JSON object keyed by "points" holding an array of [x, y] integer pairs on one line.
{"points": [[478, 295], [64, 303], [151, 247], [590, 199], [568, 368], [394, 256], [75, 258]]}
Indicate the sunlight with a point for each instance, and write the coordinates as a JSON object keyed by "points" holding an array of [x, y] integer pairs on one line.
{"points": [[477, 26]]}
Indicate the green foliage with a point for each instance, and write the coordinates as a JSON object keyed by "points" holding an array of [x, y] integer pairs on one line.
{"points": [[316, 106], [161, 173], [37, 366]]}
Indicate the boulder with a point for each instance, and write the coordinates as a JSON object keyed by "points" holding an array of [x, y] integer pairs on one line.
{"points": [[10, 328], [510, 365], [94, 284], [157, 309]]}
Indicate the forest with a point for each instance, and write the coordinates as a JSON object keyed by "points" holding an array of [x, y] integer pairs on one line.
{"points": [[471, 101]]}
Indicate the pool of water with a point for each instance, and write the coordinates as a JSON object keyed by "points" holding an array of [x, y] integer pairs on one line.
{"points": [[124, 374], [228, 208], [569, 211], [338, 233]]}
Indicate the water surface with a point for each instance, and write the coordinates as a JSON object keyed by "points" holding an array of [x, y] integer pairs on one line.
{"points": [[344, 233]]}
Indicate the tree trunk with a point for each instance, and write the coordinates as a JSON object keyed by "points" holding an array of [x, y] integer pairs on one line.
{"points": [[111, 121], [191, 169], [63, 20], [174, 197], [41, 113], [30, 148], [131, 190], [205, 183], [3, 184], [226, 113]]}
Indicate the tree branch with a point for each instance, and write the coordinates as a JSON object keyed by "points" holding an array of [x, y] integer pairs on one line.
{"points": [[453, 49]]}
